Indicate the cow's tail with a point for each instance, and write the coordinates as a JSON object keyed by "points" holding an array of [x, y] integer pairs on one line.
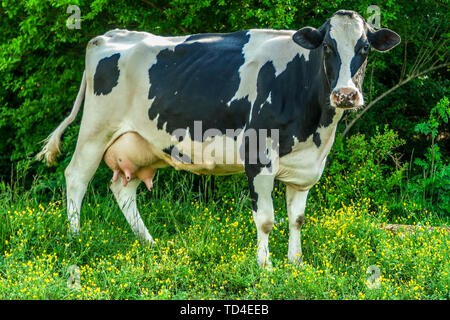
{"points": [[51, 148]]}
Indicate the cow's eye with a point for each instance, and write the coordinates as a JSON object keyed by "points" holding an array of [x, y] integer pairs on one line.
{"points": [[365, 49]]}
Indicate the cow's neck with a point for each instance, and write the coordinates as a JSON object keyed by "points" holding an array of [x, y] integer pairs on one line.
{"points": [[319, 116], [330, 116]]}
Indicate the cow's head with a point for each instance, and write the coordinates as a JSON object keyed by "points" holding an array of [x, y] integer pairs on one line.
{"points": [[345, 40]]}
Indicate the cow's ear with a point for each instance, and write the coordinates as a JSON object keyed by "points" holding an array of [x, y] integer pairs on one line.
{"points": [[308, 38], [383, 39]]}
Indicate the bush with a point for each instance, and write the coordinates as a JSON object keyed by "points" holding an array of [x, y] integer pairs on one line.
{"points": [[362, 168], [430, 175]]}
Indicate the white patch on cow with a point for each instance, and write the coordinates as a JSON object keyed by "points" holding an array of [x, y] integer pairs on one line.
{"points": [[126, 198], [346, 32], [303, 166], [214, 155], [295, 204], [262, 47], [209, 39], [264, 216], [127, 108], [137, 49], [269, 98]]}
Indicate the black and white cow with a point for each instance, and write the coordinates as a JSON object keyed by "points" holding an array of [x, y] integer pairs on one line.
{"points": [[185, 94]]}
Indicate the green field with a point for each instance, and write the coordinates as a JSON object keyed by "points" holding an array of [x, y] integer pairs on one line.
{"points": [[206, 249]]}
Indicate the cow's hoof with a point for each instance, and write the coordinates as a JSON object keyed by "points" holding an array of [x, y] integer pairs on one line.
{"points": [[148, 240], [298, 263], [74, 231], [74, 235]]}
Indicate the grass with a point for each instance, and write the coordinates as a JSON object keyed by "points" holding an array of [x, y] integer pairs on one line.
{"points": [[205, 249]]}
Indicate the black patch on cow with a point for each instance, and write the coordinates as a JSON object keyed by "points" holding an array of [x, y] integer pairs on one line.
{"points": [[196, 80], [297, 107], [316, 139], [332, 61], [298, 103], [252, 171], [358, 64], [106, 75], [359, 58]]}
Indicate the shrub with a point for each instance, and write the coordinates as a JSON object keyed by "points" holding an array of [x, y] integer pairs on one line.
{"points": [[430, 175], [362, 167]]}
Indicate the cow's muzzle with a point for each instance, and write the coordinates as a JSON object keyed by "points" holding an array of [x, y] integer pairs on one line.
{"points": [[345, 98]]}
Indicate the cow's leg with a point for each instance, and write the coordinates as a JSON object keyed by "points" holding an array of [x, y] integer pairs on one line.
{"points": [[296, 202], [261, 186], [79, 172], [126, 198]]}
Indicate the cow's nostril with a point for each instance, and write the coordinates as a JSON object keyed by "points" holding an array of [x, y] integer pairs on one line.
{"points": [[337, 94], [347, 95]]}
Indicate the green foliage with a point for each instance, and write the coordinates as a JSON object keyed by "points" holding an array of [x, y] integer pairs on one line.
{"points": [[362, 167], [409, 104], [431, 183], [438, 115]]}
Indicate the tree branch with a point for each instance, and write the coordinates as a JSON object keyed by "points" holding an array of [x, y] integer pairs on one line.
{"points": [[420, 60], [384, 94]]}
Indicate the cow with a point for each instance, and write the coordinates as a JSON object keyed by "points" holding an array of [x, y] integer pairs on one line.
{"points": [[267, 100]]}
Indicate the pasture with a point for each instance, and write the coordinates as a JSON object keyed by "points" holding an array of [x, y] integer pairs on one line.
{"points": [[206, 249]]}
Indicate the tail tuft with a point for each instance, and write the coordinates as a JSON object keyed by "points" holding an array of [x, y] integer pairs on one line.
{"points": [[51, 149]]}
